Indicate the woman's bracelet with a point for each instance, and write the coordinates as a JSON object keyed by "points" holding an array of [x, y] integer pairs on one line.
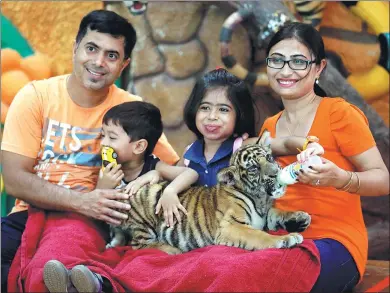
{"points": [[348, 184], [358, 183]]}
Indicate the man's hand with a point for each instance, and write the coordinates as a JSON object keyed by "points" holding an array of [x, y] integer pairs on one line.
{"points": [[105, 205], [151, 177], [110, 177], [170, 204], [313, 148]]}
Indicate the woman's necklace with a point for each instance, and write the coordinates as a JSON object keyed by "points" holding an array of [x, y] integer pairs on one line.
{"points": [[288, 128], [292, 133]]}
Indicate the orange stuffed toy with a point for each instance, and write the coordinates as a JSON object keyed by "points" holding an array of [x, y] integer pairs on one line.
{"points": [[17, 72]]}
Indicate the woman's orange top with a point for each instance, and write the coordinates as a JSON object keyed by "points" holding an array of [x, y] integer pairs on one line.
{"points": [[343, 132]]}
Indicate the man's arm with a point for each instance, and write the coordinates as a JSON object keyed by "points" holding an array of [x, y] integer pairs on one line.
{"points": [[22, 183]]}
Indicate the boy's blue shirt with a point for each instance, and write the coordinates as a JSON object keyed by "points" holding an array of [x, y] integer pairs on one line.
{"points": [[208, 171]]}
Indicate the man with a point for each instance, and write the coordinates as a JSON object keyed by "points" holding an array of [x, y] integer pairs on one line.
{"points": [[50, 147]]}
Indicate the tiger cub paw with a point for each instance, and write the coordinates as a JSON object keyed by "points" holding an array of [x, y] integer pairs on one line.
{"points": [[298, 222], [289, 240]]}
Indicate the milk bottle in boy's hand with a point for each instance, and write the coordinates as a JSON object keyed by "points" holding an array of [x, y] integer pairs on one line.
{"points": [[289, 174]]}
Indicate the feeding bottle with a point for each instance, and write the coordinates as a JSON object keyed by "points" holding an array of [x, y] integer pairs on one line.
{"points": [[289, 174]]}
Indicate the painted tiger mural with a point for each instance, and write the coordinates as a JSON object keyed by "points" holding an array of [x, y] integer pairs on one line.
{"points": [[234, 212]]}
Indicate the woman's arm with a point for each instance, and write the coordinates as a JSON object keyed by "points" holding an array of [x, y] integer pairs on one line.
{"points": [[351, 133], [371, 178], [289, 145], [373, 174]]}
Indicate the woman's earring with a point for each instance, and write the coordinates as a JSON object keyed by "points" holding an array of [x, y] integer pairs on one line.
{"points": [[316, 80]]}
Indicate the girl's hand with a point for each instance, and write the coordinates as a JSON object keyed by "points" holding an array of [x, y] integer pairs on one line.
{"points": [[110, 177], [149, 178], [326, 174], [313, 148], [169, 202], [245, 136]]}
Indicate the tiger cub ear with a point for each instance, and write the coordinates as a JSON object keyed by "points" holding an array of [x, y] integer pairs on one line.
{"points": [[265, 139], [227, 176]]}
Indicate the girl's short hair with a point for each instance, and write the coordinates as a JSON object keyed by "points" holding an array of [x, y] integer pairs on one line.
{"points": [[237, 93]]}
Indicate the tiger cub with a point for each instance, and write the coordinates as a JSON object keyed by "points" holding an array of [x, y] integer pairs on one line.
{"points": [[233, 213]]}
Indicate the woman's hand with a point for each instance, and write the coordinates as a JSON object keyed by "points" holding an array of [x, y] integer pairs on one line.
{"points": [[313, 149], [326, 174], [151, 177], [169, 202], [110, 177]]}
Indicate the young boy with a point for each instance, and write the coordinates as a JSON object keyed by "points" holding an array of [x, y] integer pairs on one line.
{"points": [[132, 129]]}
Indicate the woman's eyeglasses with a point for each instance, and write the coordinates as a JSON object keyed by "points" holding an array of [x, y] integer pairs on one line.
{"points": [[294, 64]]}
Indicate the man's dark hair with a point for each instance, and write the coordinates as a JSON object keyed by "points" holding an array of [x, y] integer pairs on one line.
{"points": [[140, 120], [108, 22], [237, 92]]}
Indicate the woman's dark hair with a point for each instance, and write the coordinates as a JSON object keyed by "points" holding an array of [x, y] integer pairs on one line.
{"points": [[307, 35], [237, 93], [108, 22]]}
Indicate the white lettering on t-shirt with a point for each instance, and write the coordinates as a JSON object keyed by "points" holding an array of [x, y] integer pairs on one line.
{"points": [[62, 180], [54, 127], [47, 155], [51, 132], [65, 127], [77, 146]]}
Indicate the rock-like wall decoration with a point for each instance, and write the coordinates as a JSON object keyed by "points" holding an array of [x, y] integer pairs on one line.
{"points": [[176, 22], [186, 61], [351, 39], [177, 42], [50, 27]]}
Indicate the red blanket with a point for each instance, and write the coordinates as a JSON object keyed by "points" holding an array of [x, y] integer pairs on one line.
{"points": [[74, 240]]}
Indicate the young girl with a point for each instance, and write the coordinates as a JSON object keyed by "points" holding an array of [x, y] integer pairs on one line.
{"points": [[220, 111]]}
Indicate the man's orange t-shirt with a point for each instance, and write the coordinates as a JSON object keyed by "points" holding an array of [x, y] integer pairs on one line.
{"points": [[343, 132], [44, 123]]}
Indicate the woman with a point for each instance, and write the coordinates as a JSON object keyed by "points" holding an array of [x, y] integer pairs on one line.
{"points": [[352, 165]]}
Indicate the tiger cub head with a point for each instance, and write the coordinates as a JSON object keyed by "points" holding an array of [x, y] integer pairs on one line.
{"points": [[253, 171]]}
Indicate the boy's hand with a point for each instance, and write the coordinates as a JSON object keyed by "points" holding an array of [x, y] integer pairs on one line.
{"points": [[151, 177], [110, 177], [170, 204], [313, 148]]}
